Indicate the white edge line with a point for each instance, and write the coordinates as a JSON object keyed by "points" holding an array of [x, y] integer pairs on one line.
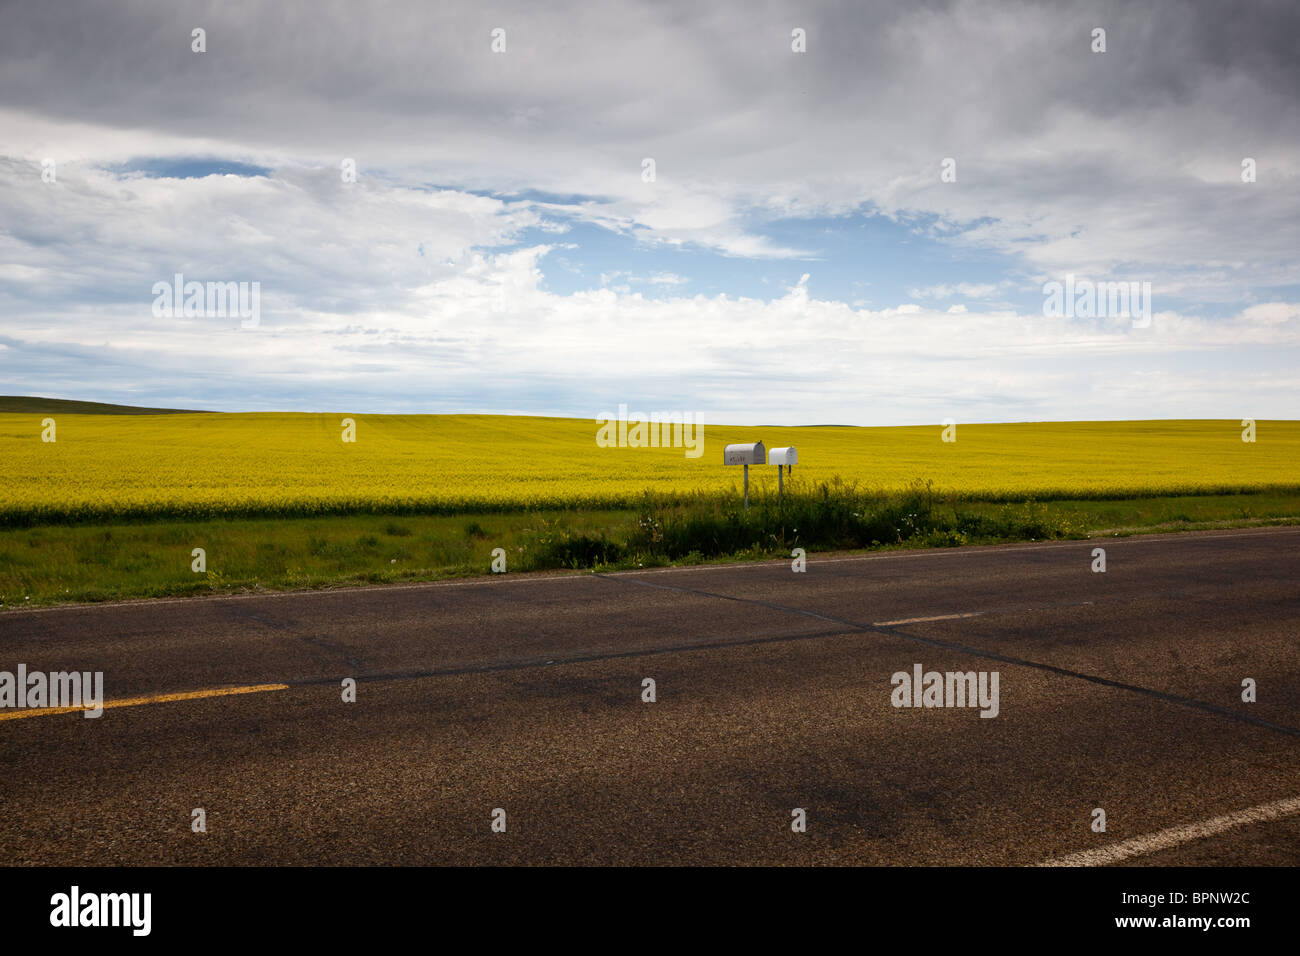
{"points": [[934, 617], [1175, 836]]}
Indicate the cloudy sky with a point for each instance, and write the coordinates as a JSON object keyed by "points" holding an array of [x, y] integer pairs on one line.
{"points": [[796, 257]]}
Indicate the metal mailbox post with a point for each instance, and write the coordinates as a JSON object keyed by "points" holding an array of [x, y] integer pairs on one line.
{"points": [[787, 456], [746, 455]]}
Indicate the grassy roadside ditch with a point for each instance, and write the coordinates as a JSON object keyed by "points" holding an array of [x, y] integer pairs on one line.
{"points": [[57, 563]]}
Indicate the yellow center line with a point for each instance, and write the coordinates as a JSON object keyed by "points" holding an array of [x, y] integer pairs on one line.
{"points": [[146, 699]]}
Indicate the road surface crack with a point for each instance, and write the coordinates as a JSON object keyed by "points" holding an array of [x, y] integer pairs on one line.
{"points": [[901, 634]]}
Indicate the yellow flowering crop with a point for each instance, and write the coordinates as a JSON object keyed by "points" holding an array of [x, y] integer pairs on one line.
{"points": [[103, 466]]}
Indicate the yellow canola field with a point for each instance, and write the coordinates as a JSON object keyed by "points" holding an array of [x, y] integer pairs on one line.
{"points": [[101, 466]]}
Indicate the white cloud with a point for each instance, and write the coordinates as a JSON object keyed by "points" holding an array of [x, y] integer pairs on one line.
{"points": [[969, 290], [1081, 162], [489, 336]]}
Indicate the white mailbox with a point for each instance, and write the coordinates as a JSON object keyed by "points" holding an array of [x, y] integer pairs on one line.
{"points": [[746, 455], [786, 456], [754, 454]]}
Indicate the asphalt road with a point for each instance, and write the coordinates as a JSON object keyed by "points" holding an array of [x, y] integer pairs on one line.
{"points": [[1118, 691]]}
